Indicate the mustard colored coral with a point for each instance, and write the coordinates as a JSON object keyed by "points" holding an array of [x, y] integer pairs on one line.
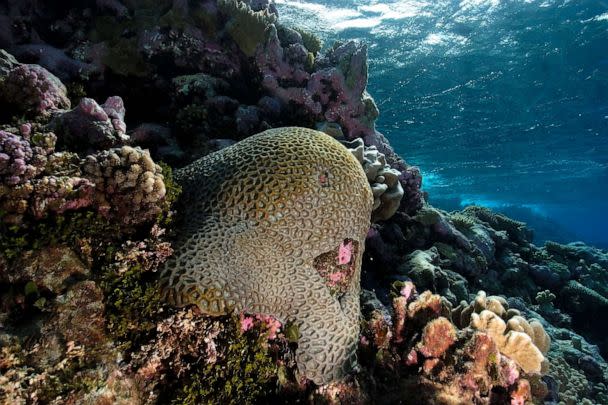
{"points": [[257, 214]]}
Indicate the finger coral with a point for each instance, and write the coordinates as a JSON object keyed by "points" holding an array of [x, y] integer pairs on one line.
{"points": [[257, 215], [26, 186], [129, 186]]}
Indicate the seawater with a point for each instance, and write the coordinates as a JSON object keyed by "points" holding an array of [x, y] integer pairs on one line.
{"points": [[500, 103]]}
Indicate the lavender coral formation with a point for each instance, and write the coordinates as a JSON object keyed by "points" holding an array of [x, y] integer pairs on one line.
{"points": [[123, 184], [28, 188], [274, 202], [34, 90], [91, 127], [18, 161]]}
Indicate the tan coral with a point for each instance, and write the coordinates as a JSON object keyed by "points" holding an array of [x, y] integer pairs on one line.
{"points": [[540, 337], [516, 345], [384, 180], [532, 328], [258, 213], [129, 186]]}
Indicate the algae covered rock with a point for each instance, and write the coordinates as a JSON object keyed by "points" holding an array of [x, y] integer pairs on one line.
{"points": [[92, 127], [246, 26], [275, 202], [49, 268]]}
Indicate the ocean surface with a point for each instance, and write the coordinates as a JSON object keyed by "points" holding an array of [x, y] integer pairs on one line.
{"points": [[500, 103]]}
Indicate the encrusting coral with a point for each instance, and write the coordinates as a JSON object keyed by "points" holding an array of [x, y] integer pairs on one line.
{"points": [[90, 126], [257, 214]]}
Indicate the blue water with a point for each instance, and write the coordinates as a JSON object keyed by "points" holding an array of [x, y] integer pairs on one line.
{"points": [[500, 103]]}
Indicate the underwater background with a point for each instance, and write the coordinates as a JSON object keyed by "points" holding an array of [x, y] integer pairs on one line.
{"points": [[500, 103]]}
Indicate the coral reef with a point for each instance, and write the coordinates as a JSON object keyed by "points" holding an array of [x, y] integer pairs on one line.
{"points": [[87, 227], [419, 356]]}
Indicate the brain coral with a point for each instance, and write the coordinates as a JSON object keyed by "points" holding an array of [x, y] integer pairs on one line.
{"points": [[258, 215]]}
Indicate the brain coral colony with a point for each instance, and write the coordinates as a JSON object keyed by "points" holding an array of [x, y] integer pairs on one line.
{"points": [[195, 207]]}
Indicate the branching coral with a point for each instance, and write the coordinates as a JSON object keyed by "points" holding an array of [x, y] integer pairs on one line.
{"points": [[28, 186], [129, 186], [517, 230]]}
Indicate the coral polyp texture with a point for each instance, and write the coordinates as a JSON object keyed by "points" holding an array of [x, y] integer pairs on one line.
{"points": [[129, 185], [34, 90], [525, 342], [256, 216]]}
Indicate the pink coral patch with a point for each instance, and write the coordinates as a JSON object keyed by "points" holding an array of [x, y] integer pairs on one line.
{"points": [[407, 290], [246, 323], [345, 253]]}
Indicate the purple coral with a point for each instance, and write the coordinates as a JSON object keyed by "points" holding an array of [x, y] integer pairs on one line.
{"points": [[33, 89], [26, 188], [90, 126], [18, 160]]}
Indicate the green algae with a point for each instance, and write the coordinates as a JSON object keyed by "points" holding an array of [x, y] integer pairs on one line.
{"points": [[69, 228], [244, 373], [311, 41], [173, 191], [133, 301]]}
